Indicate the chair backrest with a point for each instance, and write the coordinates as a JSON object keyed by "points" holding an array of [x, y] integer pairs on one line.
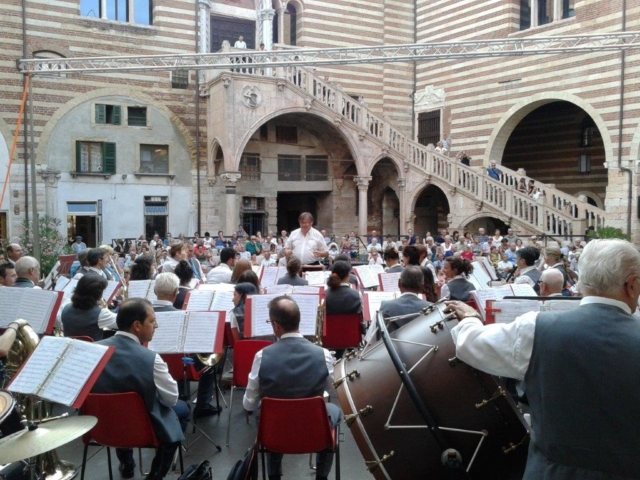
{"points": [[229, 341], [342, 331], [176, 367], [243, 353], [294, 426], [84, 338], [123, 420]]}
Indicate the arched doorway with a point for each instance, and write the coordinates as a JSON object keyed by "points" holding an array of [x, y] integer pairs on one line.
{"points": [[559, 143], [490, 225], [383, 205], [289, 22], [431, 211]]}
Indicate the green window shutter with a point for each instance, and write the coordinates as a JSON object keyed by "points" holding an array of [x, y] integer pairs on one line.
{"points": [[78, 156], [109, 158], [101, 113], [117, 114]]}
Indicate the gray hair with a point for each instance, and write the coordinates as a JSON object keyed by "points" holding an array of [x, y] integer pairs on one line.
{"points": [[24, 264], [412, 278], [605, 265], [166, 284], [553, 278]]}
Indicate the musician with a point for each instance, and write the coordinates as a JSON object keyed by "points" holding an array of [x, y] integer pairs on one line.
{"points": [[287, 253], [143, 268], [177, 252], [457, 287], [392, 259], [292, 277], [166, 289], [110, 268], [527, 272], [293, 367], [98, 259], [194, 262], [340, 298], [184, 272], [353, 280], [236, 317], [9, 336], [82, 267], [28, 273], [554, 258], [551, 283], [135, 368], [7, 274], [222, 273], [411, 284], [14, 252], [585, 362], [84, 315], [306, 242]]}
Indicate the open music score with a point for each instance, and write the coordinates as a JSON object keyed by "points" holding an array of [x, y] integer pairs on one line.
{"points": [[62, 370], [507, 310], [216, 287], [271, 275], [368, 275], [317, 277], [107, 296], [208, 300], [389, 282], [188, 332], [498, 293], [290, 289], [38, 307], [142, 289], [479, 277], [371, 302], [257, 314]]}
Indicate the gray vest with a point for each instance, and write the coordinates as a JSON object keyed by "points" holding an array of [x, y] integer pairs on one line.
{"points": [[130, 369], [459, 289], [535, 276], [293, 368], [582, 386], [81, 322]]}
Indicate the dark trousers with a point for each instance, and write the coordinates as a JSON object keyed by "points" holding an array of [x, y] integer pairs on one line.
{"points": [[164, 455], [324, 459], [205, 385]]}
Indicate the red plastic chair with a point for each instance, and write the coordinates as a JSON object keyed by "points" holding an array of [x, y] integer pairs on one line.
{"points": [[177, 370], [123, 422], [243, 353], [84, 338], [342, 331], [296, 426]]}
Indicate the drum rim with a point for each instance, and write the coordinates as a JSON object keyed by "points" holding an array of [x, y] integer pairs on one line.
{"points": [[8, 406]]}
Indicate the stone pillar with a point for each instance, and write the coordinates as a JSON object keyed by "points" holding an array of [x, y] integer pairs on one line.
{"points": [[265, 17], [281, 12], [51, 178], [103, 9], [232, 220], [402, 218], [204, 20], [363, 187]]}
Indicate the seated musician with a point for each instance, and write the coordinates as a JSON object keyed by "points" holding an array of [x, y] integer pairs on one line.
{"points": [[9, 336], [236, 317], [579, 367], [7, 274], [340, 298], [134, 368], [166, 289], [85, 315], [411, 284], [457, 287], [292, 277], [185, 273], [293, 367], [392, 259], [28, 273]]}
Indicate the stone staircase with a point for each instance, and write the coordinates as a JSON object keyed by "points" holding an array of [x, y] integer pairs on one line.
{"points": [[554, 213]]}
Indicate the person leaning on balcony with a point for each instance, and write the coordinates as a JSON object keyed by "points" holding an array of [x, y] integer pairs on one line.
{"points": [[494, 172]]}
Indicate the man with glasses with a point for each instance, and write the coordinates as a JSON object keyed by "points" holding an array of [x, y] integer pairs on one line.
{"points": [[134, 368], [293, 367], [551, 283]]}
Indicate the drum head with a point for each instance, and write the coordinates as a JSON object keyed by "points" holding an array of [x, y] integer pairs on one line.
{"points": [[6, 404]]}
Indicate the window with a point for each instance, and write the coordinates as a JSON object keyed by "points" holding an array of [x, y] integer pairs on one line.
{"points": [[154, 159], [289, 168], [90, 8], [568, 9], [316, 168], [137, 116], [108, 114], [223, 28], [95, 157], [264, 133], [429, 127], [545, 11], [286, 134], [525, 14], [250, 166], [116, 10], [584, 163], [119, 10], [156, 214], [180, 79], [143, 12]]}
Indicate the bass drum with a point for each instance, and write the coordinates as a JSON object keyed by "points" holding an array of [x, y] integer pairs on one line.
{"points": [[10, 417], [472, 412]]}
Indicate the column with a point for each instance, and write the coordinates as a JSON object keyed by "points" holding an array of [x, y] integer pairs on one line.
{"points": [[265, 17], [402, 218], [103, 9], [51, 178], [363, 187], [232, 220], [204, 21], [281, 25]]}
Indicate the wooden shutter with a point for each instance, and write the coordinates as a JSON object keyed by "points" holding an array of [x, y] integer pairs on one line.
{"points": [[101, 113], [78, 156], [117, 114], [108, 157]]}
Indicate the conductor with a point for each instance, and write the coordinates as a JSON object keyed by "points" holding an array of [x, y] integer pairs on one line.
{"points": [[579, 367]]}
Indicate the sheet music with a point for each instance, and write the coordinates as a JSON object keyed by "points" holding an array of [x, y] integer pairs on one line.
{"points": [[270, 276], [78, 363], [201, 332], [489, 268], [223, 302], [10, 307], [167, 337], [376, 269], [308, 305], [317, 277], [70, 287], [280, 289], [371, 333], [34, 305], [480, 274], [367, 276], [375, 299], [194, 283], [476, 283], [108, 292], [389, 281], [257, 269], [560, 305], [523, 290], [216, 287], [308, 289], [512, 309], [39, 365], [61, 282], [139, 288], [260, 315], [200, 300]]}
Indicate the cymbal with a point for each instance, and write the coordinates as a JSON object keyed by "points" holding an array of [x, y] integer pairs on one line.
{"points": [[49, 435]]}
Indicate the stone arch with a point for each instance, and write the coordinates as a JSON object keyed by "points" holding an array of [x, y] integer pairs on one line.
{"points": [[215, 147], [634, 147], [512, 117], [419, 189], [232, 163], [397, 160], [43, 144], [48, 46], [593, 196], [439, 219]]}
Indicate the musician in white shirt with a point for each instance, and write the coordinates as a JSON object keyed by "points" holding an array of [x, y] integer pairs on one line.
{"points": [[306, 242]]}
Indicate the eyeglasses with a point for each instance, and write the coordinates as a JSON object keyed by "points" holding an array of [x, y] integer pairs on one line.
{"points": [[271, 322]]}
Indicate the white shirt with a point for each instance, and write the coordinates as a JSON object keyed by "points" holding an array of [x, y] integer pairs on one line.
{"points": [[377, 261], [303, 246], [106, 318], [251, 399], [240, 44], [525, 278], [371, 246], [220, 274], [268, 263], [169, 265], [444, 292], [165, 385], [386, 245], [504, 349]]}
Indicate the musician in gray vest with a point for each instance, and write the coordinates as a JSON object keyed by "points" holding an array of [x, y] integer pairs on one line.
{"points": [[84, 315], [527, 272], [580, 369], [411, 284], [134, 368], [456, 270], [291, 368]]}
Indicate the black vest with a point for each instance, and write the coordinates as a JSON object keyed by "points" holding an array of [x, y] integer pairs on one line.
{"points": [[81, 322], [534, 274], [293, 368], [459, 289], [130, 369], [582, 386]]}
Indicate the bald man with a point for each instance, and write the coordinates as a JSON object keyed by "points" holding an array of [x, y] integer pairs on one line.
{"points": [[28, 272], [14, 252], [551, 283]]}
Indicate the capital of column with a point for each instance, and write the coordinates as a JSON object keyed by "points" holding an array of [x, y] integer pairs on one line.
{"points": [[267, 14], [204, 4], [230, 180], [362, 182], [51, 177], [402, 184]]}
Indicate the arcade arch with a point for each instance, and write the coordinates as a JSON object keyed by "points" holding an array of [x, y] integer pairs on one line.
{"points": [[431, 210]]}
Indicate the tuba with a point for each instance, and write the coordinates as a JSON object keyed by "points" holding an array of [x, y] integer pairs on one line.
{"points": [[33, 409]]}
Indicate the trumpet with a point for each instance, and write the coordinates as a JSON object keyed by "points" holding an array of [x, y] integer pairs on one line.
{"points": [[320, 323]]}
